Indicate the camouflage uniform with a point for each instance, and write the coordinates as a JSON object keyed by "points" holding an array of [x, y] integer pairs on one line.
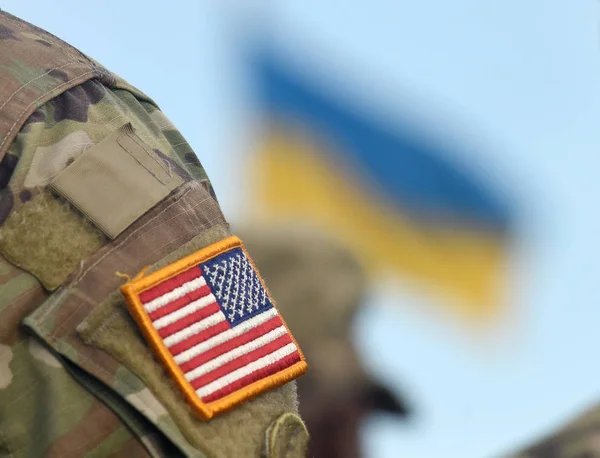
{"points": [[76, 377], [578, 439], [313, 275]]}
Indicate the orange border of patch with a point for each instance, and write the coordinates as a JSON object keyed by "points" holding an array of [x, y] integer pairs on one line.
{"points": [[133, 288]]}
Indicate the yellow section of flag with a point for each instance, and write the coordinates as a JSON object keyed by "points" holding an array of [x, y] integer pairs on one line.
{"points": [[294, 182]]}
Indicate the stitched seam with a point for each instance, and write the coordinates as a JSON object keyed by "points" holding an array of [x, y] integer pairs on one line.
{"points": [[178, 144], [8, 134], [34, 79], [68, 318], [22, 295], [183, 209], [190, 210], [175, 240], [91, 302], [82, 275], [152, 156], [105, 323], [128, 237], [163, 182], [52, 301]]}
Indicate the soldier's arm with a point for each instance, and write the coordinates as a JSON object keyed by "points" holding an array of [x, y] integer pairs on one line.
{"points": [[96, 185]]}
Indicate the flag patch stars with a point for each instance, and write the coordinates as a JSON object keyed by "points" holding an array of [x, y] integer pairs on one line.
{"points": [[212, 323]]}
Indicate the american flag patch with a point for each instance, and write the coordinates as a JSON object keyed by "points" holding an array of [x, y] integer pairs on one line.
{"points": [[213, 325]]}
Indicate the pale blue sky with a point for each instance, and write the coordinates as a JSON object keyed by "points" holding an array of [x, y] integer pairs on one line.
{"points": [[520, 80]]}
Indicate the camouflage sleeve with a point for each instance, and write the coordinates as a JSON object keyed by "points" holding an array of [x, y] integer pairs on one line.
{"points": [[77, 377]]}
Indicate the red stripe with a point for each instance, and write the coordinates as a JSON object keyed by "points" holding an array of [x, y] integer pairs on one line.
{"points": [[180, 303], [189, 320], [250, 378], [241, 361], [199, 338], [248, 336], [170, 284]]}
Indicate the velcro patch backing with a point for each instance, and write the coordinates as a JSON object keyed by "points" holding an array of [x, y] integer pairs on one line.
{"points": [[116, 181], [48, 239], [213, 325]]}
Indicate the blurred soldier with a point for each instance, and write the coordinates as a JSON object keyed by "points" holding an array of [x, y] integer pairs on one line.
{"points": [[578, 439], [189, 358], [320, 287]]}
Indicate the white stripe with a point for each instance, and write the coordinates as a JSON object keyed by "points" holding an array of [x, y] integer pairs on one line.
{"points": [[224, 336], [184, 311], [246, 370], [194, 329], [178, 292], [236, 353]]}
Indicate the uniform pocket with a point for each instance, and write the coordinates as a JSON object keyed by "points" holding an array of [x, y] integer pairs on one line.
{"points": [[83, 301]]}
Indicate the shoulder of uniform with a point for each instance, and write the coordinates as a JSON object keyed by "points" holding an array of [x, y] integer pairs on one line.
{"points": [[35, 67]]}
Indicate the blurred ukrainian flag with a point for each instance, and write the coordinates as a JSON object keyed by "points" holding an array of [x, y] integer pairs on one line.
{"points": [[393, 196]]}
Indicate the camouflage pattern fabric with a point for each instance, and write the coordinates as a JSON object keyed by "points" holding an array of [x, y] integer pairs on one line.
{"points": [[580, 438], [76, 378], [320, 286]]}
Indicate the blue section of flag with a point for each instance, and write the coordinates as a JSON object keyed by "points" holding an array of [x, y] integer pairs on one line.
{"points": [[411, 173], [236, 286]]}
